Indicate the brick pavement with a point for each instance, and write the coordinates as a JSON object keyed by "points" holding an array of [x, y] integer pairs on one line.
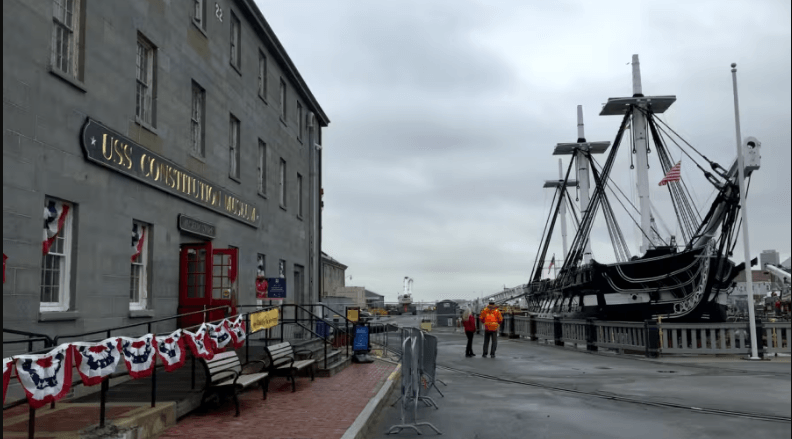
{"points": [[323, 409]]}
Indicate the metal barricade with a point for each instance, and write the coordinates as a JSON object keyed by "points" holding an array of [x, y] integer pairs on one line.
{"points": [[429, 365], [412, 364]]}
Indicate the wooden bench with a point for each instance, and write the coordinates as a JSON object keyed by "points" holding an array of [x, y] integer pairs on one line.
{"points": [[282, 362], [224, 375]]}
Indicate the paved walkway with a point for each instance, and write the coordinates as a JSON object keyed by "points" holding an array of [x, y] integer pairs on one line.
{"points": [[323, 409], [540, 391]]}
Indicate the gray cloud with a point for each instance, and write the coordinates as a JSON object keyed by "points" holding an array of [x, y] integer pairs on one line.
{"points": [[444, 115]]}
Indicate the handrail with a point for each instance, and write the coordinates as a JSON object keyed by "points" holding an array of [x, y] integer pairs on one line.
{"points": [[29, 334], [149, 322]]}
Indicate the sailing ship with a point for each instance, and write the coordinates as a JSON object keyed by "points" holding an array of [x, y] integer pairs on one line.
{"points": [[678, 281]]}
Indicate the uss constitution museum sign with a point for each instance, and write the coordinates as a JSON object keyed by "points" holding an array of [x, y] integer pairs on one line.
{"points": [[112, 150]]}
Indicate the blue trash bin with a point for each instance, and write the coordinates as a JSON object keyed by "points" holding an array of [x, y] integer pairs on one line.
{"points": [[323, 329]]}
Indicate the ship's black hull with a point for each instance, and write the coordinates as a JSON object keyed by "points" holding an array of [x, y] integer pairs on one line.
{"points": [[688, 286]]}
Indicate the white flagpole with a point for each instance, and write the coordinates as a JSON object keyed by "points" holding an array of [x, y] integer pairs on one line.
{"points": [[744, 204]]}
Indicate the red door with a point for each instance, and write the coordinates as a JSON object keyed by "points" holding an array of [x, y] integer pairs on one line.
{"points": [[224, 281], [195, 282]]}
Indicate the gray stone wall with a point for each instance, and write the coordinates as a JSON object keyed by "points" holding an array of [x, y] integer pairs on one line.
{"points": [[42, 156]]}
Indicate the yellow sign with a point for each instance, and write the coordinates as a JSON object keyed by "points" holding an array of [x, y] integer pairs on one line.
{"points": [[263, 320], [352, 315]]}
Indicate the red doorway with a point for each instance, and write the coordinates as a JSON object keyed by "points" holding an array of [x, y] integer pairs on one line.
{"points": [[207, 279]]}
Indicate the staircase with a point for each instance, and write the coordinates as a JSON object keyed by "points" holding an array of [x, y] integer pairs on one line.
{"points": [[336, 357]]}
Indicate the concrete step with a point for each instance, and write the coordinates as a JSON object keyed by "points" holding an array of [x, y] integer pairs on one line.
{"points": [[341, 363]]}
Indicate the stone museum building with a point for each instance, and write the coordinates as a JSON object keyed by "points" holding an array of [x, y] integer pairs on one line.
{"points": [[158, 156]]}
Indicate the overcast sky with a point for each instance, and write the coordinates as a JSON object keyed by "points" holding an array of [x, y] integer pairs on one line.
{"points": [[444, 115]]}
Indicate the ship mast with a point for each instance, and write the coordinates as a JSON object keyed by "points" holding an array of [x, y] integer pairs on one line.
{"points": [[637, 105], [559, 185], [580, 150]]}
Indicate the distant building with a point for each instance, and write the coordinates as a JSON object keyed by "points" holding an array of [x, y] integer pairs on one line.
{"points": [[374, 300], [447, 312], [769, 257], [762, 283], [333, 275], [787, 264]]}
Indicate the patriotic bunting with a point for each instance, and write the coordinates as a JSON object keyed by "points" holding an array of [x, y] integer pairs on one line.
{"points": [[170, 349], [95, 361], [45, 378], [140, 355], [55, 214], [7, 364], [138, 238], [220, 335], [238, 333], [199, 343], [672, 175]]}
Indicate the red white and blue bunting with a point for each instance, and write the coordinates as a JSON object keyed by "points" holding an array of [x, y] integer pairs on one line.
{"points": [[140, 355], [220, 335], [47, 377], [199, 343], [238, 333], [95, 361], [55, 214], [171, 350], [8, 363], [138, 239]]}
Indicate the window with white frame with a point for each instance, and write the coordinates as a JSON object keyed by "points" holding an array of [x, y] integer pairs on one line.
{"points": [[56, 260], [283, 100], [197, 120], [262, 167], [283, 183], [65, 37], [233, 147], [299, 121], [236, 52], [299, 195], [199, 15], [262, 76], [144, 96], [138, 279]]}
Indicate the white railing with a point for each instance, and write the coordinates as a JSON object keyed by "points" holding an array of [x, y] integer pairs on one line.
{"points": [[574, 331], [621, 335], [703, 338], [777, 337], [545, 329]]}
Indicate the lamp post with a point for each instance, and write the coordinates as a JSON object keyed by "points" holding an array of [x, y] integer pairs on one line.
{"points": [[744, 205]]}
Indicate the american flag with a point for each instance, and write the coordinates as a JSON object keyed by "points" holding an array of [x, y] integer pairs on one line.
{"points": [[672, 175], [552, 262]]}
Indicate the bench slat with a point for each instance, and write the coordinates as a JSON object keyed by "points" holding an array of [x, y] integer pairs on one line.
{"points": [[224, 364], [245, 380]]}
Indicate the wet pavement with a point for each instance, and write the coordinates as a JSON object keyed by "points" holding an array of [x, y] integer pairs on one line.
{"points": [[540, 391]]}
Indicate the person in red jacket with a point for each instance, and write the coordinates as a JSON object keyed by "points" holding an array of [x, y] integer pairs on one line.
{"points": [[469, 322], [491, 318]]}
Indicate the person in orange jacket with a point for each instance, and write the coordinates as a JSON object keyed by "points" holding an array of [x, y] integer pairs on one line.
{"points": [[491, 318]]}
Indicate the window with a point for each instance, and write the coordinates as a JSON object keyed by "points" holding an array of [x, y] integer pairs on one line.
{"points": [[262, 167], [299, 121], [261, 270], [197, 120], [65, 37], [233, 147], [57, 255], [236, 52], [262, 76], [145, 82], [299, 196], [138, 279], [283, 100], [199, 16], [282, 269], [283, 183]]}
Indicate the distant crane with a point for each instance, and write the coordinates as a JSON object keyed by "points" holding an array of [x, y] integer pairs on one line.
{"points": [[405, 300]]}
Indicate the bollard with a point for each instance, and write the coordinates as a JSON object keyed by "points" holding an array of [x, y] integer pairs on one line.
{"points": [[558, 331], [652, 339], [591, 336]]}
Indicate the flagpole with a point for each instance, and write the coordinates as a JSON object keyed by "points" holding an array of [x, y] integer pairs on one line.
{"points": [[744, 205]]}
